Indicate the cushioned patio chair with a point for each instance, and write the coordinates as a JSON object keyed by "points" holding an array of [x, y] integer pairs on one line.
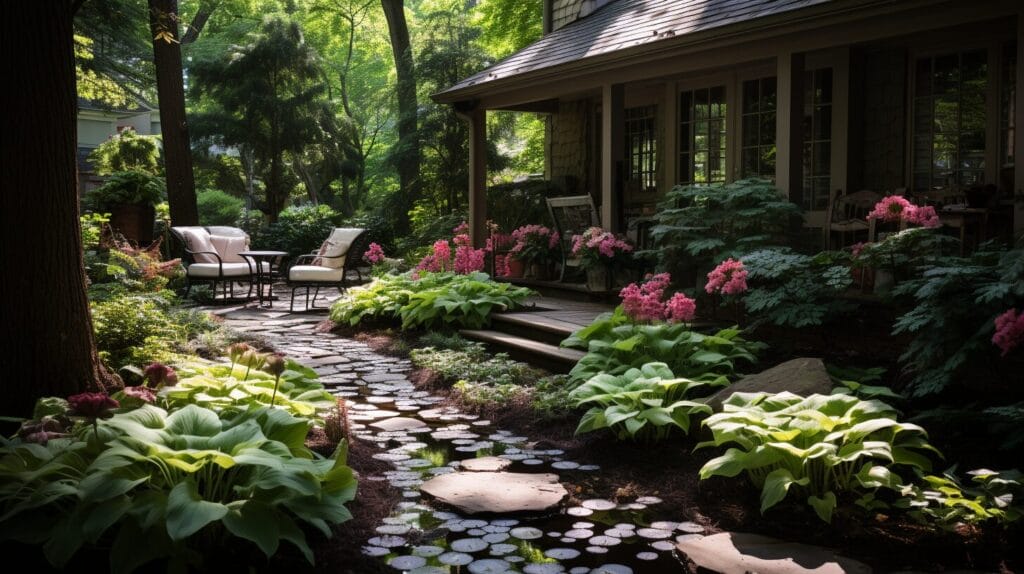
{"points": [[212, 256], [329, 266], [572, 215]]}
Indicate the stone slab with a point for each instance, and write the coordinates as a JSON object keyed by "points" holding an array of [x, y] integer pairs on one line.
{"points": [[496, 492], [803, 376], [739, 553]]}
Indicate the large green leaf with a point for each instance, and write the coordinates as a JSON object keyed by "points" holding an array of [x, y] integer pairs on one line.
{"points": [[194, 420], [254, 521], [823, 506], [188, 513], [776, 485]]}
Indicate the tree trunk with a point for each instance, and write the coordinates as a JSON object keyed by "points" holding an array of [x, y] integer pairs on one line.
{"points": [[181, 186], [407, 152], [47, 337]]}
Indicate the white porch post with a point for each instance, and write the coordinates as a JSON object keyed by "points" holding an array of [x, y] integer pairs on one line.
{"points": [[1018, 135], [788, 132], [613, 153], [477, 175]]}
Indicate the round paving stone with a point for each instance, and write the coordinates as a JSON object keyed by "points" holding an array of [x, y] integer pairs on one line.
{"points": [[387, 541], [612, 569], [548, 568], [565, 465], [468, 545], [605, 541], [489, 566], [407, 562], [647, 555], [690, 527], [598, 504], [427, 551], [562, 553], [597, 549], [663, 545], [665, 525], [653, 533], [495, 537], [579, 511], [396, 529], [526, 533], [579, 533], [502, 549], [649, 500], [455, 558], [430, 570]]}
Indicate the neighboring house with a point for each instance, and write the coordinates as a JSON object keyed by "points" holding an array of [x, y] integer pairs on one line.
{"points": [[97, 123], [817, 95]]}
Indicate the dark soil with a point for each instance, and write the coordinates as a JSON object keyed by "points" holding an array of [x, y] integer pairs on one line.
{"points": [[671, 472]]}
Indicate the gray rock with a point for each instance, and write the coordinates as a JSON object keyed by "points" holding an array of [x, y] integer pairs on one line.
{"points": [[738, 553], [803, 376], [496, 492], [485, 464], [398, 423]]}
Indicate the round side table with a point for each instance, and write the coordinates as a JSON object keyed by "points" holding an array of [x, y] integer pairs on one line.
{"points": [[264, 266]]}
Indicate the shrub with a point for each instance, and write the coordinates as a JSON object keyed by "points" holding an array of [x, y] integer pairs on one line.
{"points": [[125, 188], [615, 345], [792, 290], [701, 225], [299, 229], [126, 151], [134, 330], [475, 365], [218, 208], [644, 404], [823, 446], [947, 502]]}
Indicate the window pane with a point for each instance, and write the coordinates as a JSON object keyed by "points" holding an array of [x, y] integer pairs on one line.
{"points": [[923, 77], [768, 129], [823, 86], [751, 97], [686, 107], [768, 94]]}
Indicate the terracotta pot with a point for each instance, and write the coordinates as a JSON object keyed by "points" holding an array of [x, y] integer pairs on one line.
{"points": [[515, 267], [134, 221]]}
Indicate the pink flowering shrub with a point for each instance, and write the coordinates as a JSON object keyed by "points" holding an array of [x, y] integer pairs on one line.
{"points": [[596, 245], [467, 259], [374, 255], [643, 303], [1009, 330], [896, 209], [729, 278], [534, 244]]}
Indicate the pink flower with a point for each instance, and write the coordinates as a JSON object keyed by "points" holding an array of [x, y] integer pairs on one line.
{"points": [[1009, 330], [443, 254], [144, 394], [158, 374], [534, 243], [596, 244], [92, 405], [890, 208], [729, 278], [469, 260], [923, 216], [461, 229], [374, 255], [680, 309], [857, 248]]}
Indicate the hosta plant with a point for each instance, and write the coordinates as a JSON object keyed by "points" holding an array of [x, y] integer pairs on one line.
{"points": [[155, 485], [819, 448], [946, 501], [645, 404], [615, 345]]}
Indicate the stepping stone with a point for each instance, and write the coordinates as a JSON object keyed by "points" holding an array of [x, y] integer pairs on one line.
{"points": [[398, 424], [737, 553], [485, 464], [496, 492]]}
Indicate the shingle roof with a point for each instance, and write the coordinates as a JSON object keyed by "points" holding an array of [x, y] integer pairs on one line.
{"points": [[626, 24]]}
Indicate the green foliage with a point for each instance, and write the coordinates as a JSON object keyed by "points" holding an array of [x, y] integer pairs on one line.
{"points": [[953, 305], [706, 224], [92, 229], [299, 229], [788, 289], [226, 388], [615, 345], [947, 502], [508, 25], [127, 188], [851, 381], [218, 208], [435, 299], [127, 151], [475, 365], [822, 446], [155, 485], [134, 330], [644, 404]]}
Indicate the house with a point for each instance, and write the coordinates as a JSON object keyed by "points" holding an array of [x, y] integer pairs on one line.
{"points": [[96, 123], [818, 95]]}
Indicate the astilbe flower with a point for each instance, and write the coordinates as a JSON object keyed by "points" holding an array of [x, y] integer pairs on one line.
{"points": [[729, 278], [890, 208], [144, 394], [923, 216], [643, 303], [596, 243], [680, 309], [374, 255], [469, 260], [1009, 330]]}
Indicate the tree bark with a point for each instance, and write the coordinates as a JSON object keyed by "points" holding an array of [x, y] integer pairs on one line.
{"points": [[181, 186], [198, 22], [46, 332], [407, 152]]}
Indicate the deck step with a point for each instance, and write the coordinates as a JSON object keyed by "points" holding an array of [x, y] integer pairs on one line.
{"points": [[544, 355], [537, 326]]}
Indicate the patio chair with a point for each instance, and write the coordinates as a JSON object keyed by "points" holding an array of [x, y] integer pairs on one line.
{"points": [[849, 214], [330, 265], [572, 215], [212, 256]]}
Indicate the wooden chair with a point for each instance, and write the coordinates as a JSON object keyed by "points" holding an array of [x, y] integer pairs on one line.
{"points": [[572, 215], [849, 214], [330, 265]]}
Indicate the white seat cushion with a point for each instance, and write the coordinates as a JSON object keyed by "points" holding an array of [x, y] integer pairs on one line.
{"points": [[336, 247], [229, 247], [315, 273], [230, 269]]}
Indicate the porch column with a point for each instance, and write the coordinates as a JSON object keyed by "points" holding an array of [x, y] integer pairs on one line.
{"points": [[477, 119], [613, 155], [788, 130], [1018, 134]]}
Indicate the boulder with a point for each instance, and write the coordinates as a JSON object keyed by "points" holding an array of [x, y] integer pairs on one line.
{"points": [[485, 464], [803, 376], [739, 553], [496, 492]]}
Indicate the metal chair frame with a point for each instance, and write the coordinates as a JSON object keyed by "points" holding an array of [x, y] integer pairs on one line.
{"points": [[357, 246], [227, 282]]}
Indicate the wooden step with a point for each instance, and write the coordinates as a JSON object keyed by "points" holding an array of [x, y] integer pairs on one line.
{"points": [[543, 355], [537, 326]]}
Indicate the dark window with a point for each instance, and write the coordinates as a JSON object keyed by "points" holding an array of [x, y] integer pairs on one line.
{"points": [[641, 148], [817, 132], [702, 135], [1008, 105], [949, 120], [758, 155]]}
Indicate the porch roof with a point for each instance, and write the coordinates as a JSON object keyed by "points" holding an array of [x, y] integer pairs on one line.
{"points": [[625, 26]]}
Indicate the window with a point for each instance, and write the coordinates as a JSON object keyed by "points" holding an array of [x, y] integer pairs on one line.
{"points": [[1008, 102], [641, 148], [702, 136], [758, 153], [949, 120], [817, 132]]}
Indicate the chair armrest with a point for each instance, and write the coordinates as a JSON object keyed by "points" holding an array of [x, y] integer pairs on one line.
{"points": [[304, 257], [214, 253]]}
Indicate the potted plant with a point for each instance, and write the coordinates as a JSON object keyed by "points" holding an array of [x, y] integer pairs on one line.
{"points": [[598, 250], [535, 246], [130, 197]]}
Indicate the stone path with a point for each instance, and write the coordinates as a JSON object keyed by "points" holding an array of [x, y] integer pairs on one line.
{"points": [[425, 441]]}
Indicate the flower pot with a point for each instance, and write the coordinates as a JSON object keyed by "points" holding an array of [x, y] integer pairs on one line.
{"points": [[597, 278], [515, 267], [540, 271], [134, 221]]}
